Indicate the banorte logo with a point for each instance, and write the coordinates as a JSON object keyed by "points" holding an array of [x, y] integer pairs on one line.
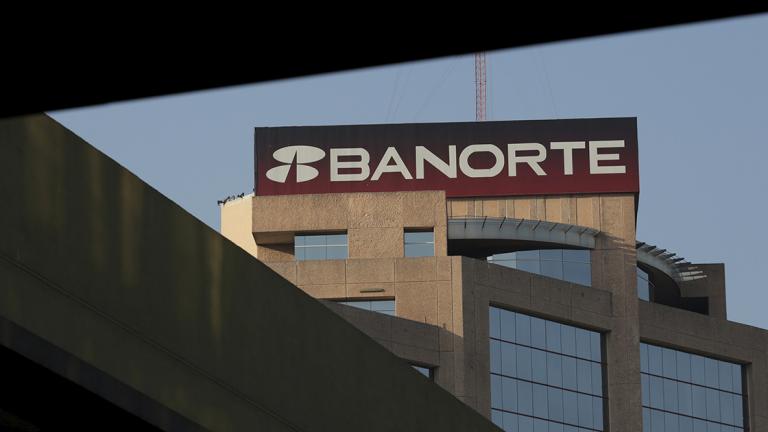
{"points": [[299, 155]]}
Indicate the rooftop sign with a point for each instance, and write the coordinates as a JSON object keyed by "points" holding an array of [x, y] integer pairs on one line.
{"points": [[504, 158]]}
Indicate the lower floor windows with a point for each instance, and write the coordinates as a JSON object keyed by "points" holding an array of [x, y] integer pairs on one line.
{"points": [[545, 376], [684, 392], [426, 371]]}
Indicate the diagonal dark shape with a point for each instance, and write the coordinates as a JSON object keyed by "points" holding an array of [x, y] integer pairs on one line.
{"points": [[47, 78]]}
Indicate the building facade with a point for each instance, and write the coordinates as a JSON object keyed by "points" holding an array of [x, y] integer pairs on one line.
{"points": [[501, 260]]}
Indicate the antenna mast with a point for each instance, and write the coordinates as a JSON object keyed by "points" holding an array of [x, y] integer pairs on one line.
{"points": [[480, 86]]}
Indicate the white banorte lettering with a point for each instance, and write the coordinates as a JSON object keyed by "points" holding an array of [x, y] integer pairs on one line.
{"points": [[361, 164]]}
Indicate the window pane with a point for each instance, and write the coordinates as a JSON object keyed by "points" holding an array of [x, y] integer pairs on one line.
{"points": [[568, 339], [670, 422], [654, 360], [336, 252], [523, 329], [585, 411], [597, 412], [584, 376], [594, 341], [597, 379], [683, 366], [736, 377], [539, 364], [314, 253], [710, 366], [555, 398], [509, 394], [643, 357], [669, 360], [583, 344], [657, 392], [382, 305], [645, 384], [538, 333], [569, 373], [554, 370], [494, 318], [540, 404], [420, 237], [532, 255], [419, 250], [529, 266], [713, 405], [699, 402], [725, 376], [507, 325], [314, 240], [336, 240], [497, 418], [524, 398], [551, 255], [670, 395], [685, 401], [553, 269], [496, 401], [495, 356], [509, 359], [726, 408], [698, 375], [524, 362], [579, 273], [510, 422], [571, 407], [576, 255], [553, 337]]}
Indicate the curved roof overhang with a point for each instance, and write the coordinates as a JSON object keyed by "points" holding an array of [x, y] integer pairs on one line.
{"points": [[668, 263], [521, 230]]}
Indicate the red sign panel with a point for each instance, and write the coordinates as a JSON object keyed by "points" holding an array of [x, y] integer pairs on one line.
{"points": [[474, 159]]}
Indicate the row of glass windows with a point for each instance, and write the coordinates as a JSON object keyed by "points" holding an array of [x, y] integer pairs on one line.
{"points": [[321, 247], [386, 307], [571, 265], [547, 368], [514, 423], [545, 402], [690, 368], [544, 375], [546, 335], [683, 391], [335, 246], [659, 421]]}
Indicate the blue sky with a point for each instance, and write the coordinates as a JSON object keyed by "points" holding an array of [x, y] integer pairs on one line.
{"points": [[700, 93]]}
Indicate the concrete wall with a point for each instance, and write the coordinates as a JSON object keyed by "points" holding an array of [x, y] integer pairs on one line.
{"points": [[374, 222], [102, 266], [236, 217]]}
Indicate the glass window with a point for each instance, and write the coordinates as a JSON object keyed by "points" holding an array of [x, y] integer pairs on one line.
{"points": [[419, 243], [571, 265], [320, 246], [426, 371], [689, 392], [550, 376], [386, 307], [643, 285]]}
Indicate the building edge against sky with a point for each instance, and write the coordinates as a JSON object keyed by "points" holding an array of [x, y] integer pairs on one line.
{"points": [[504, 258]]}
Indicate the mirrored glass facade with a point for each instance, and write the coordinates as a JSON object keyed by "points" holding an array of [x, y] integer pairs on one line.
{"points": [[320, 247], [572, 265], [386, 307], [690, 393], [419, 243], [545, 376]]}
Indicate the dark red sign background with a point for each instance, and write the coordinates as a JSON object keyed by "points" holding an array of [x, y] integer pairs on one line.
{"points": [[436, 137]]}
